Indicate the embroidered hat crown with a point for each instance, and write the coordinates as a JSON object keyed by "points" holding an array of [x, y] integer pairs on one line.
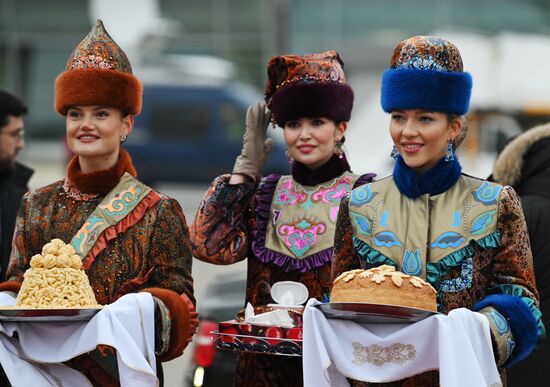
{"points": [[426, 53], [99, 51], [287, 69]]}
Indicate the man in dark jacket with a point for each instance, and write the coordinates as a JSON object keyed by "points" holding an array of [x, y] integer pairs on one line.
{"points": [[14, 177], [524, 164]]}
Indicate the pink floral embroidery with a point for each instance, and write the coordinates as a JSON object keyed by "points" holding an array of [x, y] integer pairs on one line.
{"points": [[287, 195], [333, 193], [300, 237]]}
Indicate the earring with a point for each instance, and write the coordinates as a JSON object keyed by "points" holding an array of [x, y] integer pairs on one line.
{"points": [[289, 158], [394, 153], [338, 149], [450, 154], [123, 138]]}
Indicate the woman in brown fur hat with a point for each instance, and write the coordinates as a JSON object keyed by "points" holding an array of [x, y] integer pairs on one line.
{"points": [[142, 247]]}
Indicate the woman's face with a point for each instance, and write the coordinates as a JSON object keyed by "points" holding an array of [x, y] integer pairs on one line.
{"points": [[94, 132], [311, 140], [421, 136]]}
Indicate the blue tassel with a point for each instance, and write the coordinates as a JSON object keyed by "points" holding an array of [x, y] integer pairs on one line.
{"points": [[450, 154]]}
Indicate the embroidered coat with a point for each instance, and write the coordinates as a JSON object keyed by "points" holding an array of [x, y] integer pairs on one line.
{"points": [[148, 250], [470, 242], [285, 229]]}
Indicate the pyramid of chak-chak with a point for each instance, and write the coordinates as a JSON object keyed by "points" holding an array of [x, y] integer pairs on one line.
{"points": [[56, 280]]}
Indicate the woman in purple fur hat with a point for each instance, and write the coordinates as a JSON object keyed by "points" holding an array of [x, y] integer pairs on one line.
{"points": [[284, 225]]}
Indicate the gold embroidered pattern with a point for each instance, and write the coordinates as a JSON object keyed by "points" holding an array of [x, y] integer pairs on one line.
{"points": [[397, 353], [73, 192]]}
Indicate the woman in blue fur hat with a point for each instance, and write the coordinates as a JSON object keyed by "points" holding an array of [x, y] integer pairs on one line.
{"points": [[465, 236]]}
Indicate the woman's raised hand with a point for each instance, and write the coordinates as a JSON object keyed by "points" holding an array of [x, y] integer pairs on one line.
{"points": [[256, 147]]}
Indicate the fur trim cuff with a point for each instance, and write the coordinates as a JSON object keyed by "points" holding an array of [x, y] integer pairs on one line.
{"points": [[97, 87], [180, 315], [319, 99], [437, 91], [522, 323], [10, 286]]}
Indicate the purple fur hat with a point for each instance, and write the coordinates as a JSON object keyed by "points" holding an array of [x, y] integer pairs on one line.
{"points": [[311, 85]]}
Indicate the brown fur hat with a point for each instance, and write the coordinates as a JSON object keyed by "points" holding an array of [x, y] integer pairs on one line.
{"points": [[98, 72]]}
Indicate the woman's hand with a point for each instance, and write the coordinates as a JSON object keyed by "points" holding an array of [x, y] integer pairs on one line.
{"points": [[256, 147]]}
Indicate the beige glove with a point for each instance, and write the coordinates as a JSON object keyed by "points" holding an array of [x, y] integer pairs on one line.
{"points": [[256, 147]]}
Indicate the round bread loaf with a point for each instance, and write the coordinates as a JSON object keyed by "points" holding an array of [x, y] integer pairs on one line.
{"points": [[384, 285]]}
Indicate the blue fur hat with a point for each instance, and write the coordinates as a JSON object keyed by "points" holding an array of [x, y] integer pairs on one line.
{"points": [[426, 73]]}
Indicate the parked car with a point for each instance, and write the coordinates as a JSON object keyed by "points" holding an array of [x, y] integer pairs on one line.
{"points": [[191, 127], [223, 299]]}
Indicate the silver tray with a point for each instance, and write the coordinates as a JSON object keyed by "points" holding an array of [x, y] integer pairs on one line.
{"points": [[49, 315], [257, 344], [373, 313]]}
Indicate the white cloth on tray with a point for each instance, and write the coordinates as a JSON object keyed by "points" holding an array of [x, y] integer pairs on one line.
{"points": [[35, 356], [458, 344]]}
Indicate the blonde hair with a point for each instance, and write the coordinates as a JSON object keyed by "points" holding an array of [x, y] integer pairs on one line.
{"points": [[463, 128]]}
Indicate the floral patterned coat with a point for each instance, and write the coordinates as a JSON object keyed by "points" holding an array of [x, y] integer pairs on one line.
{"points": [[258, 222], [152, 254]]}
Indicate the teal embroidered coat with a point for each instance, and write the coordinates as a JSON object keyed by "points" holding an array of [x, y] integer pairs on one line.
{"points": [[470, 243]]}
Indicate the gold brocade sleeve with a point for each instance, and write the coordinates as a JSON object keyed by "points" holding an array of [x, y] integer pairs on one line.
{"points": [[513, 261], [219, 232]]}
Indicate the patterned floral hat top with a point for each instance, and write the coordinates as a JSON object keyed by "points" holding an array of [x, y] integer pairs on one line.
{"points": [[99, 51], [98, 72], [427, 53], [311, 85], [288, 69]]}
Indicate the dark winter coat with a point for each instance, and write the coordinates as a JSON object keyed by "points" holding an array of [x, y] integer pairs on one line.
{"points": [[13, 185], [524, 164]]}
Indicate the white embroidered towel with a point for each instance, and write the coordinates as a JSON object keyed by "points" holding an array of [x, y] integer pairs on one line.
{"points": [[127, 325], [458, 344]]}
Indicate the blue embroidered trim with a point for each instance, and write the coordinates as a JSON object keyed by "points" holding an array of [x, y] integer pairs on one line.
{"points": [[361, 195], [463, 282], [447, 239], [371, 256], [385, 238], [487, 193], [436, 270], [412, 265]]}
